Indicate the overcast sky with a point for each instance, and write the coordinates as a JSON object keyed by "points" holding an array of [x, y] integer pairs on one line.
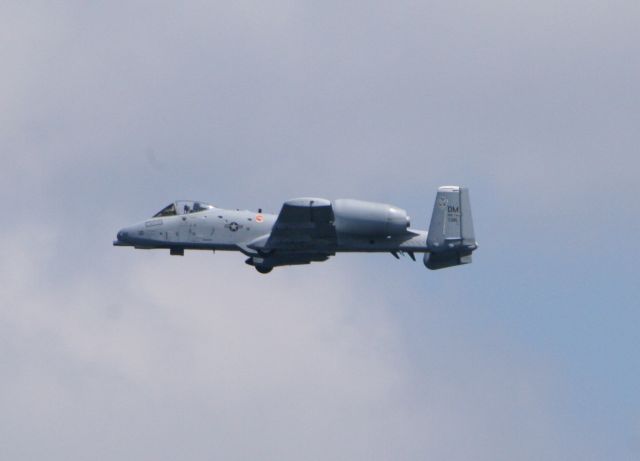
{"points": [[111, 110]]}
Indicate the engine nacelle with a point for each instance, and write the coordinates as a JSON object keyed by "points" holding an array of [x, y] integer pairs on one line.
{"points": [[357, 217]]}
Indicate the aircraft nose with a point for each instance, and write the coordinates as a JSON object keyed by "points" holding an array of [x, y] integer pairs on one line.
{"points": [[122, 237]]}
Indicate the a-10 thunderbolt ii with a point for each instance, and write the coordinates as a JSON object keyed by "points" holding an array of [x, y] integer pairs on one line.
{"points": [[312, 229]]}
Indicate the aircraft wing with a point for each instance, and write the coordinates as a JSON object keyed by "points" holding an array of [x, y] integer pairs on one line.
{"points": [[304, 225]]}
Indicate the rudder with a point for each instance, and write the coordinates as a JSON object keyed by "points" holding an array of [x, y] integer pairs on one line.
{"points": [[451, 238]]}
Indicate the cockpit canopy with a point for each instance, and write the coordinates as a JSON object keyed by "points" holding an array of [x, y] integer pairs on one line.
{"points": [[183, 207]]}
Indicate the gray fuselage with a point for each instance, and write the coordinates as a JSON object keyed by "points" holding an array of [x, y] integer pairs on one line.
{"points": [[235, 230]]}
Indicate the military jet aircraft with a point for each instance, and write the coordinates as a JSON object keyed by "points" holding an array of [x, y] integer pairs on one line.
{"points": [[311, 229]]}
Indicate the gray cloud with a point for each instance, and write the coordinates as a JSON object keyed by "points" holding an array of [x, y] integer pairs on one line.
{"points": [[182, 358]]}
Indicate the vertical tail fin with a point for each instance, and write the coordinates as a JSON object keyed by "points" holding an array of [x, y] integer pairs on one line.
{"points": [[451, 239]]}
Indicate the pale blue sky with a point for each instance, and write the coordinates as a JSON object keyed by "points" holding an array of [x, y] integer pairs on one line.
{"points": [[110, 112]]}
